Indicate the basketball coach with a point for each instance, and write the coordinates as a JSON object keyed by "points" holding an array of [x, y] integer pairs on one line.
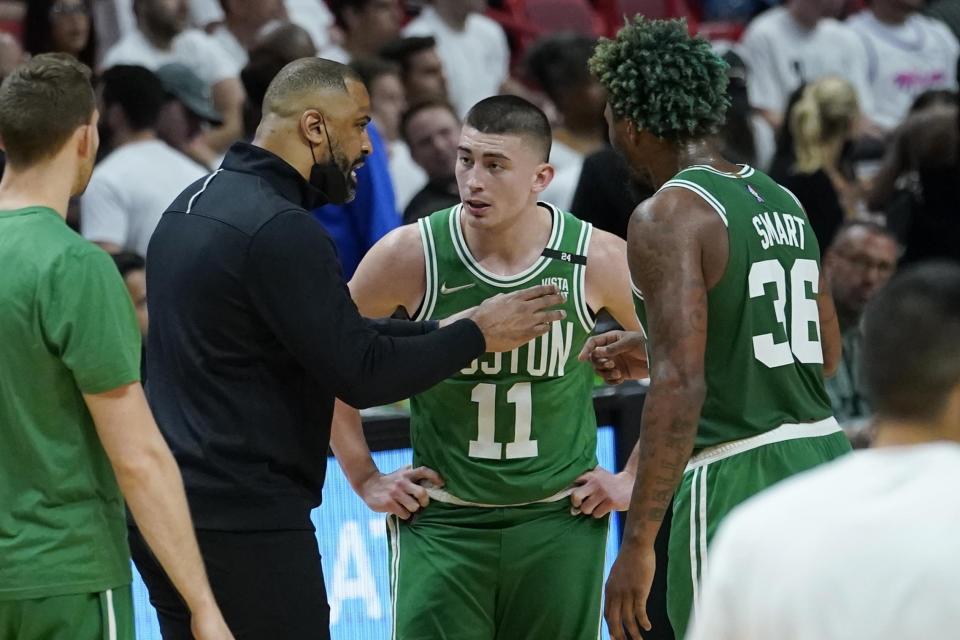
{"points": [[252, 337]]}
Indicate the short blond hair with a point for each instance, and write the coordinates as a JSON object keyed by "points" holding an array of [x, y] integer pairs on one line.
{"points": [[826, 112]]}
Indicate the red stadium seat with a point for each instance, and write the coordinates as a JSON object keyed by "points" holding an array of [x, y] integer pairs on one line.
{"points": [[550, 16], [654, 9], [14, 27]]}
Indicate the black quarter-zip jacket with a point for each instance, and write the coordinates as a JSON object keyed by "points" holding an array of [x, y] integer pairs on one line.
{"points": [[252, 336]]}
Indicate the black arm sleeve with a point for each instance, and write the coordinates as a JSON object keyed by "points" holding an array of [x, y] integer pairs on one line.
{"points": [[402, 328], [294, 280]]}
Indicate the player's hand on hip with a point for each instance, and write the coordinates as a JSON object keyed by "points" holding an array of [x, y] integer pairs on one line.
{"points": [[400, 492], [617, 356], [509, 320], [207, 623], [628, 587], [599, 492]]}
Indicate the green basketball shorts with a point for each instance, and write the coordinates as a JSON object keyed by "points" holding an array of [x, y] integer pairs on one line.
{"points": [[107, 615], [478, 573], [718, 479]]}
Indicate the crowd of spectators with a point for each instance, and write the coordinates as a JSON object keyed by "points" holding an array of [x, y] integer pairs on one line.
{"points": [[851, 105]]}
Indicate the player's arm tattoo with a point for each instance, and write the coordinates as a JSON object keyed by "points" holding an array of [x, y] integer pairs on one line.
{"points": [[665, 256]]}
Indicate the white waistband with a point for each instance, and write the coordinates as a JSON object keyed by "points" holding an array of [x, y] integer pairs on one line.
{"points": [[442, 495], [786, 431]]}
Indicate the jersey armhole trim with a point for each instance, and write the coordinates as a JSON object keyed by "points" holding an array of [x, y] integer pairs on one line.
{"points": [[639, 296], [700, 191], [430, 270], [586, 317]]}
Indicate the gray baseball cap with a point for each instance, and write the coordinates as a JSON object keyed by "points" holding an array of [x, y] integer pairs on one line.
{"points": [[182, 83]]}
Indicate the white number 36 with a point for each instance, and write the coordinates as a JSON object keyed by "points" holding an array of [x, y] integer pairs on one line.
{"points": [[803, 313]]}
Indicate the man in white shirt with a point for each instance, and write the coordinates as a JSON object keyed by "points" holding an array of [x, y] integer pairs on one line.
{"points": [[421, 69], [367, 25], [116, 16], [867, 546], [796, 43], [387, 104], [134, 184], [432, 132], [243, 22], [315, 17], [473, 48], [906, 53], [558, 64], [162, 37]]}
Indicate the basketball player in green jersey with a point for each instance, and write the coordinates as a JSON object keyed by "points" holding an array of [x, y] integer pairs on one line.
{"points": [[507, 547], [740, 327]]}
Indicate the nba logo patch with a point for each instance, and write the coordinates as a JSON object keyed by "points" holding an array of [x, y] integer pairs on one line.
{"points": [[754, 193]]}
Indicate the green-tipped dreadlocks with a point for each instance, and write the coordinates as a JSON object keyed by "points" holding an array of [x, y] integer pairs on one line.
{"points": [[662, 79]]}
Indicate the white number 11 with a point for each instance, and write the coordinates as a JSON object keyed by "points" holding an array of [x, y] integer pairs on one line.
{"points": [[485, 446]]}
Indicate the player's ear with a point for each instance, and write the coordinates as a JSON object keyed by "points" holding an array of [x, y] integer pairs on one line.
{"points": [[543, 177], [87, 141]]}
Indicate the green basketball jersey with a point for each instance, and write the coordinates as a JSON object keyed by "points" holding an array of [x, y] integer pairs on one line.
{"points": [[764, 360], [511, 427]]}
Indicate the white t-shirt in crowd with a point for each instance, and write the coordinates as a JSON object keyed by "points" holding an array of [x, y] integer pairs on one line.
{"points": [[315, 17], [903, 61], [202, 13], [863, 547], [230, 46], [312, 15], [126, 20], [336, 53], [781, 55], [476, 60], [568, 163], [192, 48], [408, 177], [764, 142], [129, 191], [205, 12]]}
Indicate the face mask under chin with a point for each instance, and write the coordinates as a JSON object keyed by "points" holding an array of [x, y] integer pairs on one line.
{"points": [[328, 178]]}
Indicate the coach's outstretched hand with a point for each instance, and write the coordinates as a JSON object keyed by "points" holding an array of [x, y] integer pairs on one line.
{"points": [[509, 320], [617, 356], [207, 623], [399, 492]]}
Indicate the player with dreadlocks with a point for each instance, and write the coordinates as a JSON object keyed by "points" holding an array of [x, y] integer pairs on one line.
{"points": [[741, 329]]}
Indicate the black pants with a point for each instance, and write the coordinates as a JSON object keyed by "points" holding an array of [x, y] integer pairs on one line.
{"points": [[269, 585]]}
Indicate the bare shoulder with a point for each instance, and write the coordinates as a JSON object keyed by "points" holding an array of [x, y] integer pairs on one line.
{"points": [[398, 254], [674, 226], [608, 279], [403, 239], [670, 206], [607, 250], [392, 274], [674, 217]]}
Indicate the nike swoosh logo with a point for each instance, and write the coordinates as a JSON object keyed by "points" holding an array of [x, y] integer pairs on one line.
{"points": [[445, 290]]}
